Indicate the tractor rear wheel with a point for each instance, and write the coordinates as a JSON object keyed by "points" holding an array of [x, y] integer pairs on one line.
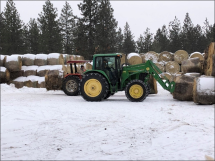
{"points": [[71, 85], [94, 87], [136, 90]]}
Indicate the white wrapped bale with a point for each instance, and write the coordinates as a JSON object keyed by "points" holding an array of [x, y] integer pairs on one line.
{"points": [[13, 63], [134, 58], [28, 59], [204, 90]]}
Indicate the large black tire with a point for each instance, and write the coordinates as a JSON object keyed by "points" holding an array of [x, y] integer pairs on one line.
{"points": [[136, 90], [71, 85], [148, 89], [94, 87]]}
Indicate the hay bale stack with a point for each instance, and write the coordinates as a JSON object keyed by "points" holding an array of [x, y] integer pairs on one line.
{"points": [[55, 59], [42, 70], [30, 70], [165, 56], [31, 81], [19, 82], [73, 57], [79, 57], [123, 58], [28, 59], [4, 75], [53, 80], [172, 67], [180, 55], [14, 75], [170, 77], [197, 55], [152, 85], [13, 63], [2, 60], [184, 88], [40, 59], [88, 66], [41, 82], [204, 90], [210, 60], [161, 66], [151, 55], [134, 58], [191, 65], [66, 58]]}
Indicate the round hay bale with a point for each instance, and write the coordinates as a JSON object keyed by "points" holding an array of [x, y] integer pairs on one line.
{"points": [[66, 58], [180, 55], [123, 58], [13, 63], [73, 57], [197, 55], [30, 70], [42, 70], [2, 60], [170, 77], [151, 55], [4, 75], [79, 57], [55, 59], [19, 82], [41, 82], [191, 65], [172, 67], [134, 58], [165, 56], [161, 66], [40, 59], [31, 81], [204, 90], [152, 85], [184, 88], [28, 59], [53, 80], [211, 60], [88, 66], [14, 75]]}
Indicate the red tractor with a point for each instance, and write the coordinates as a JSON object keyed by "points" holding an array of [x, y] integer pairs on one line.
{"points": [[71, 81]]}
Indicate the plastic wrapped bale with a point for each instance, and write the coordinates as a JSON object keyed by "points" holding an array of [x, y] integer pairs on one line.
{"points": [[150, 55], [152, 85], [54, 80], [55, 59], [180, 55], [4, 75], [204, 90], [184, 88], [40, 59], [19, 82], [2, 60], [30, 70], [28, 59], [172, 67], [165, 56], [134, 58], [191, 65], [13, 63], [31, 81]]}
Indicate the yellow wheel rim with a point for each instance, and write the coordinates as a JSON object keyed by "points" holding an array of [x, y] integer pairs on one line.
{"points": [[92, 87], [136, 91]]}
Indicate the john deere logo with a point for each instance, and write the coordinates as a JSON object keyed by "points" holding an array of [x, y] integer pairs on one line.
{"points": [[147, 68]]}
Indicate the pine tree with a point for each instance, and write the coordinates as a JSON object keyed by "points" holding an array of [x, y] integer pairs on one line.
{"points": [[175, 35], [67, 25], [50, 39], [25, 39], [187, 35], [105, 28], [208, 32], [89, 11], [198, 38], [128, 42], [148, 39], [34, 36], [119, 41], [11, 30], [140, 44]]}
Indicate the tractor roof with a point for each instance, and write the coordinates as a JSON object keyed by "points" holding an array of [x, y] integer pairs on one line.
{"points": [[108, 54]]}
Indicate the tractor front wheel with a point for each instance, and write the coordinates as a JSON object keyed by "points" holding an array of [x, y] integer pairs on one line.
{"points": [[94, 87], [136, 90], [71, 85]]}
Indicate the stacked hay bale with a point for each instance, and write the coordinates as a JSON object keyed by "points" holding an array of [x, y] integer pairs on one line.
{"points": [[19, 82], [28, 59], [204, 90], [4, 75], [29, 70], [55, 59], [151, 55], [134, 58], [201, 58], [40, 59], [123, 58], [165, 56], [209, 63], [2, 60], [31, 81], [180, 55], [42, 70]]}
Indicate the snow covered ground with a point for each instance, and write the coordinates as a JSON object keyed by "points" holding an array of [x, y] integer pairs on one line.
{"points": [[48, 125]]}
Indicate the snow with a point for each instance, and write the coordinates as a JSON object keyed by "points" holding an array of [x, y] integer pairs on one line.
{"points": [[2, 57], [30, 56], [26, 68], [19, 79], [48, 125], [132, 54], [12, 58], [206, 85], [41, 56], [53, 55], [2, 69], [50, 67]]}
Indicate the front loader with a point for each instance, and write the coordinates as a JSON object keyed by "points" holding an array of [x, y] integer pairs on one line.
{"points": [[108, 77]]}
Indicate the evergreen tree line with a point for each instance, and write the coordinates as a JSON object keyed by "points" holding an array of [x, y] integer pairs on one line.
{"points": [[95, 31]]}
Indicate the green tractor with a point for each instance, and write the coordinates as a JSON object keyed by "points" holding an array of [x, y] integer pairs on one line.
{"points": [[108, 76]]}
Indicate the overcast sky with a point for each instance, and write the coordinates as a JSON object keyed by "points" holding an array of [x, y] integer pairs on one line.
{"points": [[138, 14]]}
